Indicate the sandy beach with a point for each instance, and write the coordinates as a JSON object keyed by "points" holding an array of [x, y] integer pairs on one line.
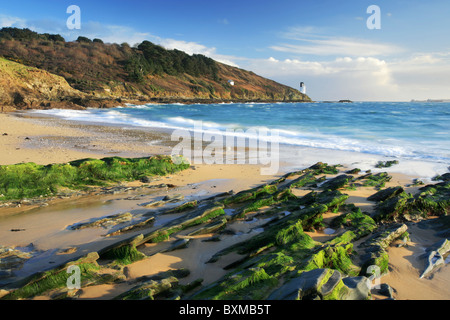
{"points": [[46, 141]]}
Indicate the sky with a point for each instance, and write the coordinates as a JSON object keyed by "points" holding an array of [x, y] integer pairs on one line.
{"points": [[328, 45]]}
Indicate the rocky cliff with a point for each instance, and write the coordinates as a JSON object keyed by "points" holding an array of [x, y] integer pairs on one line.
{"points": [[27, 87], [42, 71]]}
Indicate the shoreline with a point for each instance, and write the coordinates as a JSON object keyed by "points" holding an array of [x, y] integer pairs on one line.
{"points": [[46, 145], [107, 139]]}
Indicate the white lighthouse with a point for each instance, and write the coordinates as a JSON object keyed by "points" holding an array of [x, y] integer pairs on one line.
{"points": [[302, 87]]}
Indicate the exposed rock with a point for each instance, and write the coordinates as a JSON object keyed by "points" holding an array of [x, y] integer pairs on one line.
{"points": [[385, 194], [375, 180], [11, 258], [386, 164], [444, 177], [27, 87], [149, 289], [384, 238], [358, 288], [376, 246], [179, 244], [386, 290], [353, 171], [173, 197], [393, 208], [209, 228], [324, 284], [143, 224], [107, 222], [435, 256], [337, 182]]}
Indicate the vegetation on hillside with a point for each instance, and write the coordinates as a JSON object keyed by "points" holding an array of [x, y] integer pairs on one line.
{"points": [[142, 71]]}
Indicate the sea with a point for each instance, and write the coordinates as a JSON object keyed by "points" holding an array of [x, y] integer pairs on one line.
{"points": [[358, 134]]}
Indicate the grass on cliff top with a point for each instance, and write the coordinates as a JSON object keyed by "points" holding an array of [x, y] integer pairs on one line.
{"points": [[28, 180]]}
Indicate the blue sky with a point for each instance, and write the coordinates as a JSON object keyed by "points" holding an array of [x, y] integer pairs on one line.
{"points": [[324, 43]]}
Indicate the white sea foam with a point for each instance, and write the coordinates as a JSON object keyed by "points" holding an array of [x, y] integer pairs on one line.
{"points": [[299, 135]]}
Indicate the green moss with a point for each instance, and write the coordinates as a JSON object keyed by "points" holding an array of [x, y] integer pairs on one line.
{"points": [[50, 280], [204, 218], [165, 233], [378, 180], [258, 204], [360, 223], [294, 235], [149, 290], [337, 182], [332, 257], [251, 194], [324, 168], [338, 293], [184, 207], [276, 264], [250, 284], [124, 255], [379, 259], [386, 164], [333, 199], [29, 180], [303, 180], [394, 207]]}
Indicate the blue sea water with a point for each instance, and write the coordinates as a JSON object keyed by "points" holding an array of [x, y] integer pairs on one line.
{"points": [[407, 130]]}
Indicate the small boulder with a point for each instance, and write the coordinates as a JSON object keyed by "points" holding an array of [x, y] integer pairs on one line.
{"points": [[358, 288]]}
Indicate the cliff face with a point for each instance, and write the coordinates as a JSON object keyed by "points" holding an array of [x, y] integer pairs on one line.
{"points": [[50, 72], [27, 87]]}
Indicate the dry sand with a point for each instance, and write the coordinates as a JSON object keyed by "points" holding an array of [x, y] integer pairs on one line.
{"points": [[48, 144]]}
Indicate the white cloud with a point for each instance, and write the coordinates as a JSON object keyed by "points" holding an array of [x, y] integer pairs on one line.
{"points": [[343, 78], [10, 21], [310, 40], [337, 47], [420, 76], [196, 48]]}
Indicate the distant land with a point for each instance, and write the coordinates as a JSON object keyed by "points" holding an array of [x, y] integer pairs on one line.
{"points": [[432, 100], [45, 71]]}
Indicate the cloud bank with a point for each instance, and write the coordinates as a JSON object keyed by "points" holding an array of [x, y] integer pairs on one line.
{"points": [[333, 68]]}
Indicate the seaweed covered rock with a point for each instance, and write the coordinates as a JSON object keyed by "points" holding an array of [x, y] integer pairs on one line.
{"points": [[375, 180], [333, 199], [359, 223], [393, 208], [445, 177], [386, 164], [375, 248], [433, 200], [11, 258], [247, 284], [385, 194], [337, 182], [149, 289], [323, 284], [55, 278], [106, 222], [324, 168]]}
